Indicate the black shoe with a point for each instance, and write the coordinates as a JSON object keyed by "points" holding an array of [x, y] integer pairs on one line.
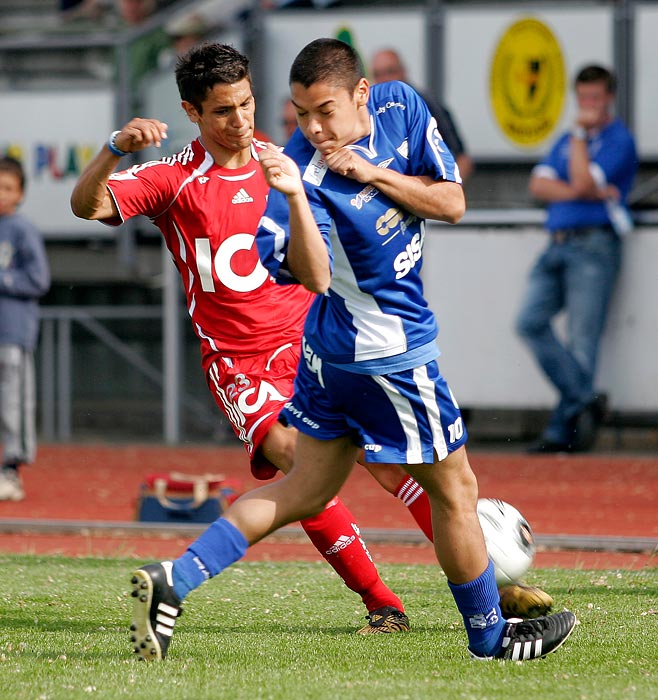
{"points": [[531, 639], [155, 610], [543, 446], [385, 620], [587, 423]]}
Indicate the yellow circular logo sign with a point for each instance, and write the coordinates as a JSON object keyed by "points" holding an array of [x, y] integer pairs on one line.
{"points": [[527, 82]]}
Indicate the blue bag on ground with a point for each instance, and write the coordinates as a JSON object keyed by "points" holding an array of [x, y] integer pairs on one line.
{"points": [[185, 498]]}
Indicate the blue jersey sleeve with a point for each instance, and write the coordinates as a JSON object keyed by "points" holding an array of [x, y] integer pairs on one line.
{"points": [[273, 234], [555, 159], [272, 238], [428, 153]]}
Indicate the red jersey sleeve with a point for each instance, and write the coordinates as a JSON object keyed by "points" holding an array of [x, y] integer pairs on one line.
{"points": [[145, 189]]}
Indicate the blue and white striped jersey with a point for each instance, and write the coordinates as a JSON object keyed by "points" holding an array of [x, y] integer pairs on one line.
{"points": [[374, 317]]}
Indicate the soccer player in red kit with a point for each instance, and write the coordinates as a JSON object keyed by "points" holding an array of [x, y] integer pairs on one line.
{"points": [[207, 201]]}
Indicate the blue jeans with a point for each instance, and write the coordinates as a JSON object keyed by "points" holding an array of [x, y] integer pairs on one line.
{"points": [[575, 273]]}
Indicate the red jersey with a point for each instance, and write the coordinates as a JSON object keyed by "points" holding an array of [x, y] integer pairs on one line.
{"points": [[208, 216]]}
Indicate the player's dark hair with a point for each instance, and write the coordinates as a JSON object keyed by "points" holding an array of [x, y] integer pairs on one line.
{"points": [[205, 65], [327, 61], [13, 166], [597, 74]]}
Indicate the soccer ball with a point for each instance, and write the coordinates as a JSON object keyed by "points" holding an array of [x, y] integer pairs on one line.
{"points": [[509, 539]]}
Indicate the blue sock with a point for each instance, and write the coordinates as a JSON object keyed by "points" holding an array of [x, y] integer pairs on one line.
{"points": [[218, 547], [478, 602]]}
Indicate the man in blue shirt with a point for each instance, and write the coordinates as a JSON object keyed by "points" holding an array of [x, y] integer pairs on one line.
{"points": [[584, 180]]}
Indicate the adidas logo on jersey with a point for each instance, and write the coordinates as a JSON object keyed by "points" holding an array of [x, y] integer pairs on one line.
{"points": [[241, 197]]}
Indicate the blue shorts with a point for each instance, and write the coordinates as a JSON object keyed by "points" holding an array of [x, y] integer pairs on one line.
{"points": [[402, 417]]}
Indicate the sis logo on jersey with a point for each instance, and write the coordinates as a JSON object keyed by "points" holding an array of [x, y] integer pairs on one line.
{"points": [[405, 262]]}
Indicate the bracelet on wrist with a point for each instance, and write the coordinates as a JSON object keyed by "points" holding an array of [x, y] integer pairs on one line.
{"points": [[578, 132], [112, 145]]}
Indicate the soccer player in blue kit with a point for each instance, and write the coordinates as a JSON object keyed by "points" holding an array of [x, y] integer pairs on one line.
{"points": [[346, 218]]}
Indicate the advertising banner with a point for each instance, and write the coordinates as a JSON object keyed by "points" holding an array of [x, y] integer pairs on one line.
{"points": [[55, 134], [508, 73]]}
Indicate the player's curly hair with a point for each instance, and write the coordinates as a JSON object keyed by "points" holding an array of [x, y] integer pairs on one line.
{"points": [[327, 61], [205, 65]]}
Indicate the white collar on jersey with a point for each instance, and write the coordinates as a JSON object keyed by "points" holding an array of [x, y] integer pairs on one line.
{"points": [[369, 150]]}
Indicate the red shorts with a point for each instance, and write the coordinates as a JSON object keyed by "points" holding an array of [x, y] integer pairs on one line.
{"points": [[251, 391]]}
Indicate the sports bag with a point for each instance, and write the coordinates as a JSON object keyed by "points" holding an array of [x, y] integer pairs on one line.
{"points": [[185, 498]]}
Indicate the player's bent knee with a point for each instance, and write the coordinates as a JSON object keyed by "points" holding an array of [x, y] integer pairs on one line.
{"points": [[388, 476]]}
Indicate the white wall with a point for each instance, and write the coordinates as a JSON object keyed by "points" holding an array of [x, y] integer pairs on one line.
{"points": [[646, 68], [474, 281]]}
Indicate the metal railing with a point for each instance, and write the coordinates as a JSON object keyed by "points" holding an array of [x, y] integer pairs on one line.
{"points": [[56, 360]]}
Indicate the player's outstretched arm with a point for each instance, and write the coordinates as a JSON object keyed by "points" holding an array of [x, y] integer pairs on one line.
{"points": [[90, 198]]}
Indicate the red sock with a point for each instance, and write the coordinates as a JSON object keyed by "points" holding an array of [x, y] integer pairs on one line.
{"points": [[411, 493], [336, 536]]}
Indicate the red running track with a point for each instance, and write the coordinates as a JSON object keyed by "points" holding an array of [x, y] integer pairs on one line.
{"points": [[594, 494]]}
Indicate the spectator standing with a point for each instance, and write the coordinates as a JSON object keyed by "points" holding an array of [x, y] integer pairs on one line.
{"points": [[584, 181], [24, 278], [386, 64]]}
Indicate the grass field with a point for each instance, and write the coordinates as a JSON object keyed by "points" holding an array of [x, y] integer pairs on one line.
{"points": [[286, 631]]}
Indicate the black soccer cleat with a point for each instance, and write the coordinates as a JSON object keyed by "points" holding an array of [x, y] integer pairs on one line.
{"points": [[531, 639], [385, 620], [155, 610]]}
